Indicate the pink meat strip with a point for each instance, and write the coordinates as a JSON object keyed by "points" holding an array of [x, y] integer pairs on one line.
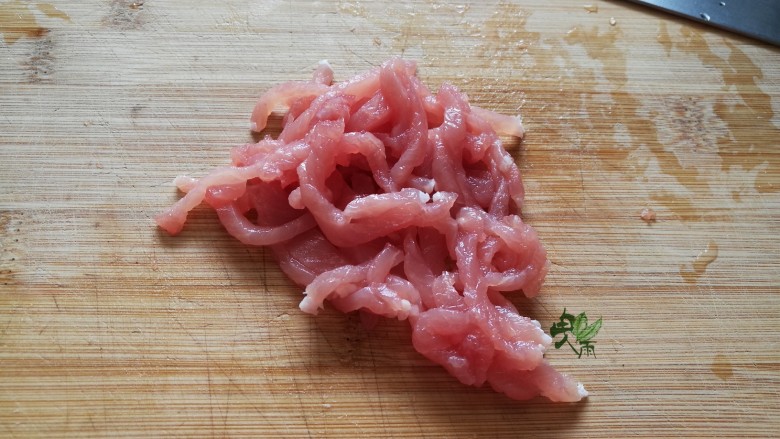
{"points": [[381, 197]]}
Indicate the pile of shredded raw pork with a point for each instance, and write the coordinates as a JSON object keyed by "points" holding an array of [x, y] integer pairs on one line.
{"points": [[381, 196]]}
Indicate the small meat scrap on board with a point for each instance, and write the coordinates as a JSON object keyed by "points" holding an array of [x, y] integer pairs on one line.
{"points": [[382, 196]]}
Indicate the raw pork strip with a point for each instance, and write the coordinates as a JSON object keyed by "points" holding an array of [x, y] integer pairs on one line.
{"points": [[383, 197]]}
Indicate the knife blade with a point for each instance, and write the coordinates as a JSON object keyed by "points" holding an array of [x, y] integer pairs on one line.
{"points": [[759, 19]]}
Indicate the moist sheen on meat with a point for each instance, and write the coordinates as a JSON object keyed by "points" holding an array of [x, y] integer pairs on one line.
{"points": [[383, 197]]}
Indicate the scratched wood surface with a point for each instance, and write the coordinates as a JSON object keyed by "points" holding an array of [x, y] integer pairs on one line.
{"points": [[109, 328]]}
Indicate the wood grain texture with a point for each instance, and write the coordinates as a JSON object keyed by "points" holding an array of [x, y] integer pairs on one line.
{"points": [[109, 328]]}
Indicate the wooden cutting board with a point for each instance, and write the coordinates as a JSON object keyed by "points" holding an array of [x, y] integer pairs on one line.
{"points": [[110, 328]]}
